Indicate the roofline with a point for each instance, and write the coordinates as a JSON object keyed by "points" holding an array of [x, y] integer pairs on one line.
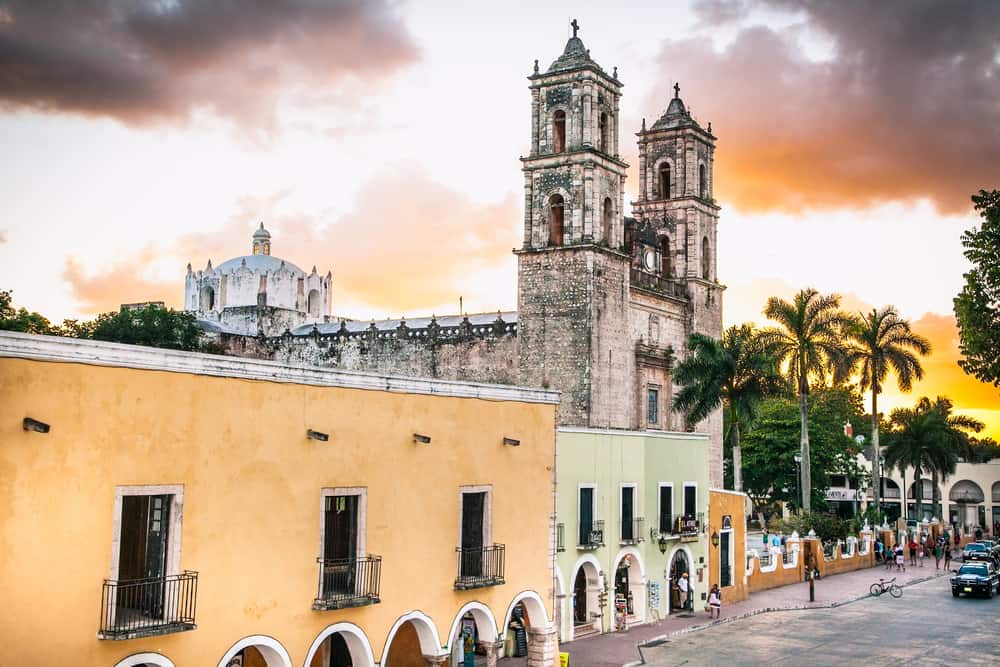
{"points": [[666, 435], [117, 355]]}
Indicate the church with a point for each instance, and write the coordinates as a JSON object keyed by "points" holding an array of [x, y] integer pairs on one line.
{"points": [[605, 304]]}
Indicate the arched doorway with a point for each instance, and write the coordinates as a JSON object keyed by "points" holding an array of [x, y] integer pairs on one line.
{"points": [[313, 303], [207, 298], [967, 510], [586, 614], [891, 495], [923, 494], [473, 632], [629, 587], [680, 565], [526, 626], [412, 635], [145, 660], [340, 645], [256, 651]]}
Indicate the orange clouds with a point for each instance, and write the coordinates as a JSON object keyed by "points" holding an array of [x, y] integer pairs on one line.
{"points": [[906, 105], [155, 61], [408, 245]]}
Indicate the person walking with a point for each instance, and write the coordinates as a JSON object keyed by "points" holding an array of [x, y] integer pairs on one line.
{"points": [[913, 551], [938, 552], [878, 550], [685, 587], [714, 602], [890, 557], [947, 556], [900, 560]]}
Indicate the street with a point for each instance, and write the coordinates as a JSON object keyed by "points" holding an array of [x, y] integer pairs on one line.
{"points": [[926, 626]]}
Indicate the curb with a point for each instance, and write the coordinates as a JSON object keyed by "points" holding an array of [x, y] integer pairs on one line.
{"points": [[765, 610]]}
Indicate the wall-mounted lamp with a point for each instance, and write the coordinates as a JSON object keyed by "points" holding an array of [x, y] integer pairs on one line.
{"points": [[511, 441], [30, 424], [715, 539], [423, 439], [316, 435], [662, 543]]}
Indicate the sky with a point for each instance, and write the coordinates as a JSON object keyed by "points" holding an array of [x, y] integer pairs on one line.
{"points": [[380, 140]]}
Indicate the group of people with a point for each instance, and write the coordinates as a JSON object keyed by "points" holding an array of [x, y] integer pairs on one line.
{"points": [[919, 547], [685, 592]]}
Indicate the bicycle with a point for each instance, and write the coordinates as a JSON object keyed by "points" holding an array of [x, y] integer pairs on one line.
{"points": [[884, 585]]}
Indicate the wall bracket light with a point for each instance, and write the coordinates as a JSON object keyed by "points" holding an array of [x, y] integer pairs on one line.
{"points": [[30, 424], [421, 439], [317, 435], [511, 441]]}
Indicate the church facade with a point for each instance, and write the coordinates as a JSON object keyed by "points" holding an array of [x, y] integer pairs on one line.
{"points": [[605, 302], [605, 305]]}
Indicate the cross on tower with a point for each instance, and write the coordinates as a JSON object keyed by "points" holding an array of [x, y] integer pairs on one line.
{"points": [[575, 25], [677, 90]]}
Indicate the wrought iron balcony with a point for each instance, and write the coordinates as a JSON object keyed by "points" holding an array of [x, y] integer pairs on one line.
{"points": [[480, 567], [632, 531], [146, 607], [560, 537], [591, 535], [348, 582]]}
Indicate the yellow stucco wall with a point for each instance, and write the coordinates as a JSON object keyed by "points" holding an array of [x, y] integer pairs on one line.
{"points": [[252, 498], [720, 504]]}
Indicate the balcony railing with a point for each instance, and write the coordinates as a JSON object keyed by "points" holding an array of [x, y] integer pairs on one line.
{"points": [[348, 582], [479, 567], [146, 607], [591, 535], [632, 531], [560, 537], [651, 281]]}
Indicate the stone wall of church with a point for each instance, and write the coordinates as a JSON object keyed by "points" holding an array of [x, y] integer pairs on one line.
{"points": [[490, 359]]}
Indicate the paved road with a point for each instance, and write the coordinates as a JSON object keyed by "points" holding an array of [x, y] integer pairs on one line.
{"points": [[927, 626]]}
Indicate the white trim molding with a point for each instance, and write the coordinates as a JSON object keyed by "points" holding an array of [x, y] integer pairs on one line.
{"points": [[430, 642], [174, 531], [361, 545], [355, 638], [663, 435], [146, 659], [100, 353], [486, 622], [270, 648]]}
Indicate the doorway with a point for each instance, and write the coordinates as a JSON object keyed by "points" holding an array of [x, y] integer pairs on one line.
{"points": [[679, 566], [142, 556]]}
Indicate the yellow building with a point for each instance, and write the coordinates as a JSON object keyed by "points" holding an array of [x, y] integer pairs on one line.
{"points": [[167, 508]]}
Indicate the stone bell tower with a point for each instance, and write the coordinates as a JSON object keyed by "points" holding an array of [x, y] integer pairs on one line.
{"points": [[572, 269], [676, 159]]}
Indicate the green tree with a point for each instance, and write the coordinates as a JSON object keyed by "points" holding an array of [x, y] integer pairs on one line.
{"points": [[882, 341], [736, 372], [151, 325], [928, 438], [977, 306], [769, 449], [20, 319], [807, 344]]}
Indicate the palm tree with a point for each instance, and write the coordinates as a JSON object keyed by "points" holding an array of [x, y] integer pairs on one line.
{"points": [[736, 372], [807, 344], [928, 438], [882, 340]]}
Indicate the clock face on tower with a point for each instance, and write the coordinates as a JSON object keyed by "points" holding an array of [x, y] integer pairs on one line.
{"points": [[649, 259]]}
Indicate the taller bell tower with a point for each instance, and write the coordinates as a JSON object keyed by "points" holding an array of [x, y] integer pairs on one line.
{"points": [[572, 268]]}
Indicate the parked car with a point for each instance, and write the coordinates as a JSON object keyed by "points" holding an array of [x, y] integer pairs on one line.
{"points": [[975, 578], [977, 551]]}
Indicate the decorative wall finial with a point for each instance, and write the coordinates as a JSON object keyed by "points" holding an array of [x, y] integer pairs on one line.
{"points": [[575, 25], [643, 124], [614, 72], [536, 65], [677, 90]]}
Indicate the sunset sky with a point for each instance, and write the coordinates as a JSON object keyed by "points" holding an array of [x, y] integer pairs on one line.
{"points": [[381, 140]]}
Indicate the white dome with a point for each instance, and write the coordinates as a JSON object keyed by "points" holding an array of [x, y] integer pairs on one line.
{"points": [[262, 263]]}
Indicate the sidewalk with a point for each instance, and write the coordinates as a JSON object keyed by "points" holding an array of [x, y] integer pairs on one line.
{"points": [[621, 648]]}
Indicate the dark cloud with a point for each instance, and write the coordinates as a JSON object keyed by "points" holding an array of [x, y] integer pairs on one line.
{"points": [[409, 243], [163, 60], [907, 107]]}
